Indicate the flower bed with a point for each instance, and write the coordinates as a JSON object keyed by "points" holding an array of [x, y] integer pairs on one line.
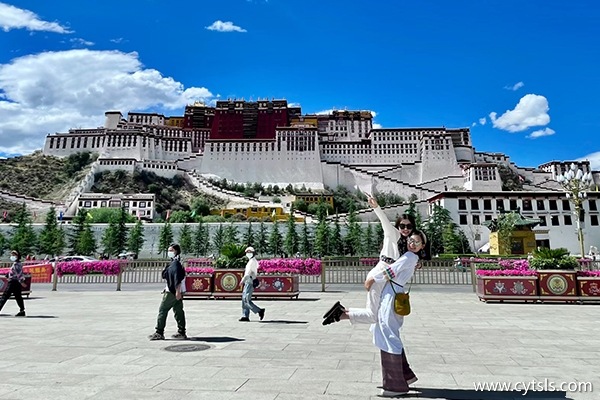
{"points": [[507, 280], [302, 266], [199, 262], [105, 267]]}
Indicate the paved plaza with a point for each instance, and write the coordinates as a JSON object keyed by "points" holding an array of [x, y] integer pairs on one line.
{"points": [[90, 342]]}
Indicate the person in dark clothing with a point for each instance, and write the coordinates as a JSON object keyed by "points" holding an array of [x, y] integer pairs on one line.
{"points": [[174, 274], [15, 281]]}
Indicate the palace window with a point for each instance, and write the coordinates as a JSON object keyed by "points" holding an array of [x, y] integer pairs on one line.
{"points": [[568, 220]]}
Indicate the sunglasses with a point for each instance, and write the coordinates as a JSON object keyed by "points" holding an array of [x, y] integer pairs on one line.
{"points": [[405, 226], [415, 242]]}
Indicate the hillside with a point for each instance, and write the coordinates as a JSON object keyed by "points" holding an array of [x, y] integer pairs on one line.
{"points": [[171, 194], [44, 177]]}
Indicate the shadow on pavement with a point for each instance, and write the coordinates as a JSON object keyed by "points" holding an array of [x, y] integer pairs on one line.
{"points": [[282, 321], [471, 394], [29, 316], [215, 339]]}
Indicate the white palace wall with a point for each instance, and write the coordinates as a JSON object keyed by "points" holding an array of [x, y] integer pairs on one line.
{"points": [[280, 162]]}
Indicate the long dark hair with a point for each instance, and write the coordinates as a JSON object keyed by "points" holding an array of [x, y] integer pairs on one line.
{"points": [[408, 217], [425, 252]]}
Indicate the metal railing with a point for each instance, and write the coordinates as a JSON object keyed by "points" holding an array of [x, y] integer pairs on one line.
{"points": [[342, 270]]}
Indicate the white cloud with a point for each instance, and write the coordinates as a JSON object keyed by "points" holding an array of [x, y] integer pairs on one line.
{"points": [[12, 17], [227, 26], [532, 110], [541, 132], [377, 126], [474, 124], [482, 121], [117, 40], [54, 91], [594, 159], [82, 42], [515, 87]]}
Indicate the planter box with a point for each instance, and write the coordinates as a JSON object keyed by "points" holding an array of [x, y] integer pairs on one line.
{"points": [[278, 286], [501, 288], [558, 285], [198, 285], [589, 288], [26, 291], [227, 284]]}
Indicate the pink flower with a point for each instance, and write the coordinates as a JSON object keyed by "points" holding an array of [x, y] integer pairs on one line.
{"points": [[304, 266], [199, 270], [595, 274], [106, 267]]}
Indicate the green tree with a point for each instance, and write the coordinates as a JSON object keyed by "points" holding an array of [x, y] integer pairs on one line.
{"points": [[249, 236], [219, 239], [321, 245], [87, 242], [136, 238], [335, 239], [165, 239], [23, 237], [369, 245], [506, 224], [52, 238], [262, 241], [76, 229], [3, 244], [354, 235], [291, 237], [305, 241], [275, 240], [434, 228], [412, 210], [231, 234], [378, 237], [201, 239], [185, 239]]}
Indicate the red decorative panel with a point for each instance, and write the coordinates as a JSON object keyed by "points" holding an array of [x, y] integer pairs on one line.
{"points": [[589, 287], [558, 283]]}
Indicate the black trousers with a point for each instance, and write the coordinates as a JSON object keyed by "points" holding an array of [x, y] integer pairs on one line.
{"points": [[14, 287]]}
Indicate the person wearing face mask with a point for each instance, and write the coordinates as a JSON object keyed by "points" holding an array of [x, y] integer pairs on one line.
{"points": [[16, 280], [174, 274], [248, 287]]}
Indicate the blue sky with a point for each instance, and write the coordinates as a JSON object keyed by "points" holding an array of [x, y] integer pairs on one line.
{"points": [[523, 75]]}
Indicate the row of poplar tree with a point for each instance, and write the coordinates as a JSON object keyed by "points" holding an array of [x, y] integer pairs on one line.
{"points": [[327, 238]]}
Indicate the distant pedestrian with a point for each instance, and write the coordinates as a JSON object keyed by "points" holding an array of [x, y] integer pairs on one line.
{"points": [[248, 287], [174, 274], [16, 281]]}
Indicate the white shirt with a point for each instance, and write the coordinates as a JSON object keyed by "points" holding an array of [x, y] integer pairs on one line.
{"points": [[251, 270]]}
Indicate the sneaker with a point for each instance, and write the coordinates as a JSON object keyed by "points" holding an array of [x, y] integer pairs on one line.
{"points": [[244, 319], [179, 335], [156, 336], [261, 313], [20, 314], [390, 393]]}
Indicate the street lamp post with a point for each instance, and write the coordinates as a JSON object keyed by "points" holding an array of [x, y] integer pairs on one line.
{"points": [[575, 183]]}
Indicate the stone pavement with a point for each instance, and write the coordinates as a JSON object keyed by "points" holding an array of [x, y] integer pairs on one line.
{"points": [[90, 342]]}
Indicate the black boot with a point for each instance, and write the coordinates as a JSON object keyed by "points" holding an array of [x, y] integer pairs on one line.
{"points": [[334, 314], [20, 313]]}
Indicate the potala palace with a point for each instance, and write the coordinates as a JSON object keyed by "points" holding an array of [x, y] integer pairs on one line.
{"points": [[271, 142]]}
